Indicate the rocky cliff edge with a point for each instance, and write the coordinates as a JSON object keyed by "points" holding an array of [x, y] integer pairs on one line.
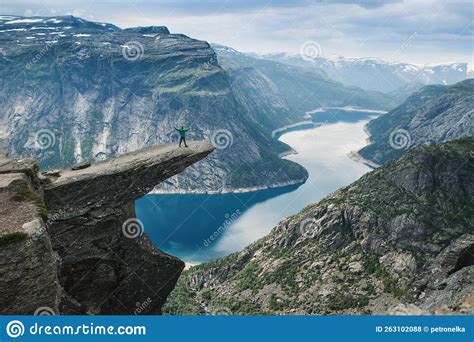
{"points": [[70, 242]]}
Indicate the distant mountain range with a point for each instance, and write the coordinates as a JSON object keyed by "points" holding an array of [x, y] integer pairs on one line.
{"points": [[378, 74], [302, 89], [75, 90], [434, 114], [399, 237]]}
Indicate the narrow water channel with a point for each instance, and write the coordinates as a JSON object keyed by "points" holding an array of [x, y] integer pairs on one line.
{"points": [[202, 227]]}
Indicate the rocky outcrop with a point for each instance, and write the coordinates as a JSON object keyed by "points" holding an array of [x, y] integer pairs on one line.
{"points": [[71, 243], [28, 263], [73, 90], [398, 238], [434, 114], [289, 91]]}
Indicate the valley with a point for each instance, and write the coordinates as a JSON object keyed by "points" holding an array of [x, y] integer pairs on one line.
{"points": [[234, 220], [310, 186], [399, 239]]}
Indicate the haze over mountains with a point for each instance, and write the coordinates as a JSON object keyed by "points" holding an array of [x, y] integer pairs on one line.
{"points": [[90, 90], [301, 88], [97, 90], [74, 90], [430, 114], [379, 74]]}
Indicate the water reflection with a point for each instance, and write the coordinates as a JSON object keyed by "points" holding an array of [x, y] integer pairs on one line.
{"points": [[182, 225], [189, 225], [333, 115]]}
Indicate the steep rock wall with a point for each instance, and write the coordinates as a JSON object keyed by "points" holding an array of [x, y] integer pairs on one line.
{"points": [[71, 244]]}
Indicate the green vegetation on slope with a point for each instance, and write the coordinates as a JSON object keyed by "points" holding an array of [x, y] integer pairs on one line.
{"points": [[401, 214]]}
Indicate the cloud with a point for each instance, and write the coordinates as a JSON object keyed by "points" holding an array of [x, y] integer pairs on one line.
{"points": [[442, 29]]}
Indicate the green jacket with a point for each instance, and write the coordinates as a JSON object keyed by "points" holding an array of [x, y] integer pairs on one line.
{"points": [[182, 132]]}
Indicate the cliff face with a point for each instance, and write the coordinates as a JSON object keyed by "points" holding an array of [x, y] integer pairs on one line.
{"points": [[400, 235], [432, 115], [289, 91], [28, 264], [71, 244], [75, 90]]}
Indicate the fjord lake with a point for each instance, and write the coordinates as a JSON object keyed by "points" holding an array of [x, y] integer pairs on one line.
{"points": [[202, 227]]}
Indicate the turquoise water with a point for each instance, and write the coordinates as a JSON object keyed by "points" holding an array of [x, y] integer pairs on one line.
{"points": [[202, 227]]}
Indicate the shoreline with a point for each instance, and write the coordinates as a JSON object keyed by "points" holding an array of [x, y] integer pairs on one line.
{"points": [[346, 109], [227, 191], [292, 193], [290, 152], [277, 133], [355, 156], [367, 140], [188, 265]]}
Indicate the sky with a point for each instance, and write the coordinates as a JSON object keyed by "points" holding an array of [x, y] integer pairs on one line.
{"points": [[414, 31]]}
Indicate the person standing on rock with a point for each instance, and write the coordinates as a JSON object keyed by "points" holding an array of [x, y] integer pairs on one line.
{"points": [[182, 135]]}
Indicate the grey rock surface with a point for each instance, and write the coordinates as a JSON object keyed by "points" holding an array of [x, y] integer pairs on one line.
{"points": [[120, 180], [290, 90], [73, 244], [432, 115], [75, 90], [400, 235], [28, 263]]}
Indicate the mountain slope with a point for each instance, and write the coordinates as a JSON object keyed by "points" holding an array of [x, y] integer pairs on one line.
{"points": [[400, 234], [75, 90], [432, 115], [378, 74], [402, 93], [261, 99], [303, 89]]}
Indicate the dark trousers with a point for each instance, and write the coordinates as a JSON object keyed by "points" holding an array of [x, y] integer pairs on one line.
{"points": [[181, 140]]}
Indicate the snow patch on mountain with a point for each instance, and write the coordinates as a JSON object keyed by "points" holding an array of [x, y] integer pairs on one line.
{"points": [[379, 74]]}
